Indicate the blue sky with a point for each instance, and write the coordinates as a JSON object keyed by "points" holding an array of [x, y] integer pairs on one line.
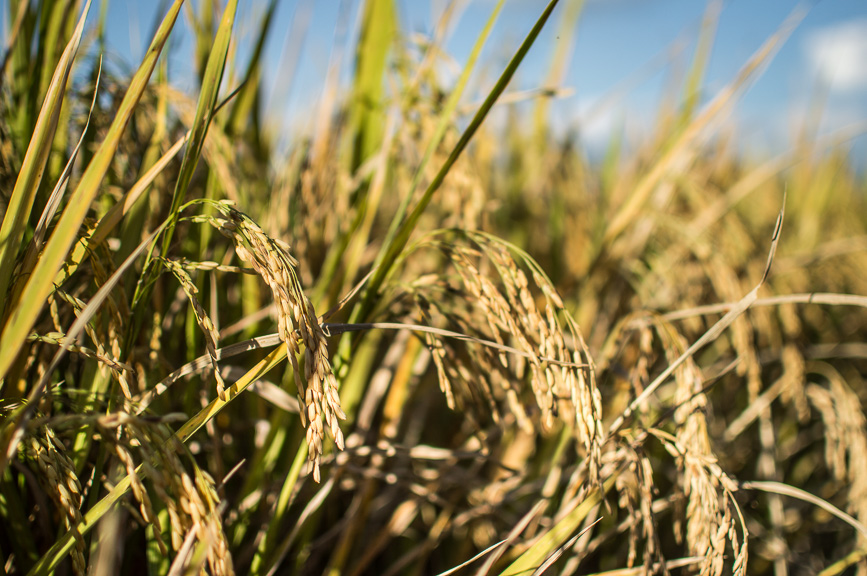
{"points": [[618, 43]]}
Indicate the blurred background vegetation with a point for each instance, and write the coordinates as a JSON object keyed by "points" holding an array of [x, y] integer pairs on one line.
{"points": [[490, 316]]}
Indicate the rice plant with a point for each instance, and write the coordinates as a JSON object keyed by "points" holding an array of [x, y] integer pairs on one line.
{"points": [[418, 342]]}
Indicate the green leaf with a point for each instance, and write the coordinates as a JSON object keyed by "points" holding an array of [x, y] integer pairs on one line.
{"points": [[558, 535], [33, 168], [392, 249], [40, 284], [368, 117], [205, 110]]}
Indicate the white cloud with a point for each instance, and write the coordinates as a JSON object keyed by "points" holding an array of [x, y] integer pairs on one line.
{"points": [[838, 54], [597, 123], [633, 116]]}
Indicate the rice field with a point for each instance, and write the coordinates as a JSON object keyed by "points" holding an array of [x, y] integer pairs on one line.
{"points": [[418, 342]]}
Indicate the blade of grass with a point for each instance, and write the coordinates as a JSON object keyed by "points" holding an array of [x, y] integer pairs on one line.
{"points": [[793, 492], [61, 27], [391, 250], [309, 511], [812, 298], [53, 204], [552, 540], [481, 554], [60, 188], [699, 64], [567, 30], [53, 20], [840, 566], [40, 283], [533, 514], [32, 170], [555, 555], [247, 99], [275, 526], [445, 121], [367, 115], [205, 109], [138, 207], [25, 58]]}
